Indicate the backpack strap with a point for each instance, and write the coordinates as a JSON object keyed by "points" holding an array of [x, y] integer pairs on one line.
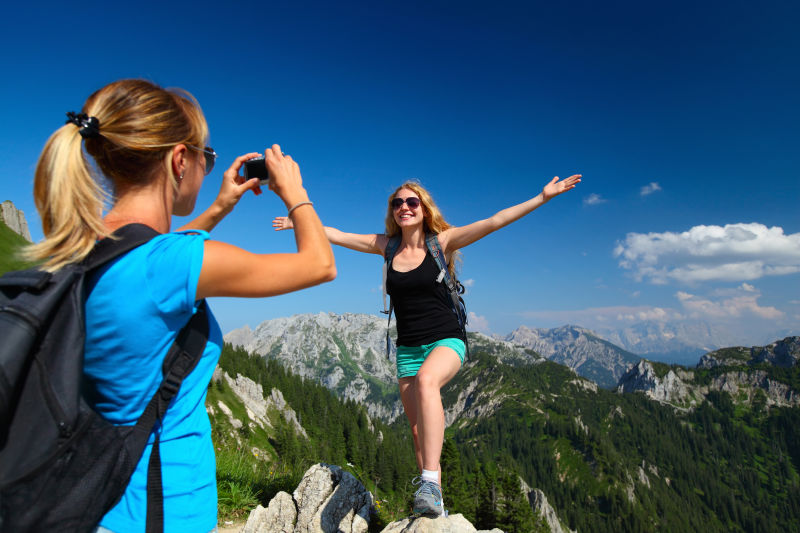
{"points": [[388, 255], [122, 241], [182, 357], [454, 287]]}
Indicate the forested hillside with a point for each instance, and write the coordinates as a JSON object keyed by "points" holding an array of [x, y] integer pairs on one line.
{"points": [[605, 461]]}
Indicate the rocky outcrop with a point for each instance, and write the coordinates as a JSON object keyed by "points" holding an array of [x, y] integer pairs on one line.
{"points": [[331, 500], [743, 385], [444, 524], [15, 219], [783, 353], [258, 408], [278, 517], [542, 507], [733, 373], [328, 499], [642, 378], [578, 348]]}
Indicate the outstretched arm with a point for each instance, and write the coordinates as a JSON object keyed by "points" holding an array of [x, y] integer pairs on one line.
{"points": [[231, 271], [230, 192], [371, 243], [458, 237]]}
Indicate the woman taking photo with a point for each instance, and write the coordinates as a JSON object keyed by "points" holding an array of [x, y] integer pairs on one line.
{"points": [[150, 143], [430, 341]]}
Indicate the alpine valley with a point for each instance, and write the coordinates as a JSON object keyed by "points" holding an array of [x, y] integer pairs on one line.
{"points": [[533, 443]]}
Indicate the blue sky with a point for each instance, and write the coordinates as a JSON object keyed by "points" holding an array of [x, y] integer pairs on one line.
{"points": [[682, 118]]}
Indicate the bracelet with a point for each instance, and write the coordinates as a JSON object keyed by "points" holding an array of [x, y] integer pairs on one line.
{"points": [[295, 206]]}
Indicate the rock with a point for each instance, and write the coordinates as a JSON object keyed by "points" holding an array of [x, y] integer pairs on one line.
{"points": [[444, 524], [578, 348], [278, 517], [642, 377], [15, 219], [542, 507], [330, 499]]}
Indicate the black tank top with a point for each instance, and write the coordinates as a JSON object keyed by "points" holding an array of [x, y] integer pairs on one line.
{"points": [[422, 306]]}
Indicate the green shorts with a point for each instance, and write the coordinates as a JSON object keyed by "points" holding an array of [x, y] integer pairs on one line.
{"points": [[410, 358]]}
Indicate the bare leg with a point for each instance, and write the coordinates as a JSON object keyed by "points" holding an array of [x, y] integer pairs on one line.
{"points": [[408, 397], [439, 367]]}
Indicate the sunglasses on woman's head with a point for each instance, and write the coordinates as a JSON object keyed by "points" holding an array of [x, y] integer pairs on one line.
{"points": [[209, 154], [411, 202]]}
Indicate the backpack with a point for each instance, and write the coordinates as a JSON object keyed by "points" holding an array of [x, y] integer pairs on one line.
{"points": [[454, 287], [62, 465]]}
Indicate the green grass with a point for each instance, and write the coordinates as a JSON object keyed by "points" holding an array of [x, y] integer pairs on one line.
{"points": [[10, 245]]}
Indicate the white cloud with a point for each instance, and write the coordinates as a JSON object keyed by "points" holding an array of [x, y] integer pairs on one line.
{"points": [[478, 323], [650, 189], [612, 316], [468, 283], [740, 302], [734, 252], [593, 199]]}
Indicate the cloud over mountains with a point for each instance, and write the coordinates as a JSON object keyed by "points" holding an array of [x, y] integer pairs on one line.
{"points": [[734, 252]]}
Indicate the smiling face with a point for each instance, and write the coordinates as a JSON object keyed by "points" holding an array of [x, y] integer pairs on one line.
{"points": [[404, 214]]}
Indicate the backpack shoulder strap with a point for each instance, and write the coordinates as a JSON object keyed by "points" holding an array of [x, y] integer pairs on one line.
{"points": [[181, 359], [123, 240], [432, 243], [388, 255], [453, 286]]}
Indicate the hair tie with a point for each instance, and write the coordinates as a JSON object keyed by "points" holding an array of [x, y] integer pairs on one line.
{"points": [[89, 126]]}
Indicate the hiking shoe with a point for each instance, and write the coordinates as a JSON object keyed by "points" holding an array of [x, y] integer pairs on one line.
{"points": [[428, 498]]}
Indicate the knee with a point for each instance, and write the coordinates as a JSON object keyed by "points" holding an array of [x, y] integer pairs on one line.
{"points": [[426, 382]]}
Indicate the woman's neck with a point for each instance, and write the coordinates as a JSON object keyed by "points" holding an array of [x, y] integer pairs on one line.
{"points": [[413, 237], [150, 205]]}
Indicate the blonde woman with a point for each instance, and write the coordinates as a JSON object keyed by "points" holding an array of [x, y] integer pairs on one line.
{"points": [[151, 144], [430, 341]]}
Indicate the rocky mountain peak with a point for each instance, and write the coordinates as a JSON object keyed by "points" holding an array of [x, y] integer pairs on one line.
{"points": [[15, 219]]}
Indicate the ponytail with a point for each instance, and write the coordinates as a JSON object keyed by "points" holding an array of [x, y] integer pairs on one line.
{"points": [[69, 200], [128, 128]]}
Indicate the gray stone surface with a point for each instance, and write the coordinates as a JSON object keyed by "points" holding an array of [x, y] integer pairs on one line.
{"points": [[14, 219]]}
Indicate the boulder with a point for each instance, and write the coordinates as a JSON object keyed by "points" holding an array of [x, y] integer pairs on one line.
{"points": [[327, 500], [279, 517], [444, 524]]}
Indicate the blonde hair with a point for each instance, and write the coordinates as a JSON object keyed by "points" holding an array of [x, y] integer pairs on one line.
{"points": [[139, 124], [434, 221]]}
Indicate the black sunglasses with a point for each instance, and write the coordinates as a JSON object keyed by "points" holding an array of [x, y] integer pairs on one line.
{"points": [[209, 154], [412, 202]]}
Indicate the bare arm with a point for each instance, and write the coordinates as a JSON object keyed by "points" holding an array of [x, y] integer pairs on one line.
{"points": [[230, 192], [231, 271], [371, 243], [458, 237]]}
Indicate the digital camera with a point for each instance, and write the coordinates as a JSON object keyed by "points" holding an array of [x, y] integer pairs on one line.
{"points": [[256, 168]]}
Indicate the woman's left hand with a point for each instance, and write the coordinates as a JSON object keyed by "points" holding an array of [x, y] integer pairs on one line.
{"points": [[555, 187], [234, 186]]}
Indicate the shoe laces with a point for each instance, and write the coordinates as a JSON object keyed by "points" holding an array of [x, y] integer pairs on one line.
{"points": [[427, 487]]}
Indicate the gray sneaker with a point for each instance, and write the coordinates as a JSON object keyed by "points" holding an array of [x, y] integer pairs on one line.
{"points": [[428, 498]]}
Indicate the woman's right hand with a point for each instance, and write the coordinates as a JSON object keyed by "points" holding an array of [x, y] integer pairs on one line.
{"points": [[281, 223], [284, 177]]}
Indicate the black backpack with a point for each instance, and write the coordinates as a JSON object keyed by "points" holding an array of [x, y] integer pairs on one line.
{"points": [[62, 465], [454, 287]]}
